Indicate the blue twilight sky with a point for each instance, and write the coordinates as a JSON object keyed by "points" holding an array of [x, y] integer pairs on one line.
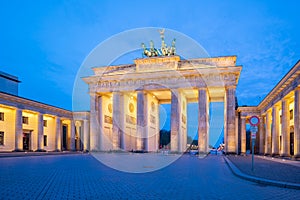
{"points": [[45, 42]]}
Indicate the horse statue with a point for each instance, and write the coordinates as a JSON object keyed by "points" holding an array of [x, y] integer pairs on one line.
{"points": [[146, 51], [165, 50], [151, 52]]}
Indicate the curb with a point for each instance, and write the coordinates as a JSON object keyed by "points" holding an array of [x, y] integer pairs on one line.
{"points": [[242, 175]]}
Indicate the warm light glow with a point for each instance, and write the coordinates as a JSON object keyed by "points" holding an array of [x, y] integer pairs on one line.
{"points": [[29, 114], [48, 117], [4, 108]]}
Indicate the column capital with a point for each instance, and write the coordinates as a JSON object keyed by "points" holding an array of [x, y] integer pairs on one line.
{"points": [[116, 92], [286, 99], [202, 88], [93, 94], [230, 87], [140, 90], [19, 109]]}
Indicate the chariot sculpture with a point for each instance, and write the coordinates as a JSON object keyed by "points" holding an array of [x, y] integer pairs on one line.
{"points": [[164, 49]]}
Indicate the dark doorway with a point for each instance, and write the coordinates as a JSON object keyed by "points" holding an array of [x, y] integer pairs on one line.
{"points": [[64, 137], [26, 141], [292, 143], [248, 140]]}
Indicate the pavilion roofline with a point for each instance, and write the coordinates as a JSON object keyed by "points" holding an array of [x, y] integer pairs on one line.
{"points": [[36, 106], [290, 76]]}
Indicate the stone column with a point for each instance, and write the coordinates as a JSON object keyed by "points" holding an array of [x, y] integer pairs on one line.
{"points": [[243, 135], [261, 135], [58, 134], [268, 134], [40, 136], [157, 126], [297, 123], [285, 128], [183, 124], [229, 119], [275, 131], [77, 135], [237, 134], [203, 120], [72, 136], [142, 132], [175, 119], [19, 131], [118, 123], [100, 129], [94, 123], [86, 135]]}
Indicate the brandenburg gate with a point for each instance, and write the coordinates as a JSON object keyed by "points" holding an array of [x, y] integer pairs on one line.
{"points": [[125, 99]]}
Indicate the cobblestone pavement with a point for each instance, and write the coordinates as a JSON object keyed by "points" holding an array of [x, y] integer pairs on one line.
{"points": [[83, 177], [268, 169]]}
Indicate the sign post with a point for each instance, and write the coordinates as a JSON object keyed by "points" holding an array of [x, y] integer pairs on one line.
{"points": [[254, 121]]}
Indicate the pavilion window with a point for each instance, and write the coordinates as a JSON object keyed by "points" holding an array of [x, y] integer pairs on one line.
{"points": [[45, 123], [45, 140], [1, 138], [1, 116], [25, 120], [280, 119], [291, 114]]}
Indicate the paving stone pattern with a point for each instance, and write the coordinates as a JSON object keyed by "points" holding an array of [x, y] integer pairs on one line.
{"points": [[84, 177]]}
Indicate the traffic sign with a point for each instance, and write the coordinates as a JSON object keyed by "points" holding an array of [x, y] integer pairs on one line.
{"points": [[253, 129], [254, 120], [253, 135]]}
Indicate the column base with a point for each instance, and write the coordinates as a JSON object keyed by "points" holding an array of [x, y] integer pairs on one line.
{"points": [[275, 154], [40, 150], [18, 150], [57, 150], [285, 155], [296, 156]]}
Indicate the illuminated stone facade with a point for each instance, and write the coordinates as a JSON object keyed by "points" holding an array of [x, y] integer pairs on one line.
{"points": [[142, 86], [279, 128], [27, 125], [124, 110]]}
